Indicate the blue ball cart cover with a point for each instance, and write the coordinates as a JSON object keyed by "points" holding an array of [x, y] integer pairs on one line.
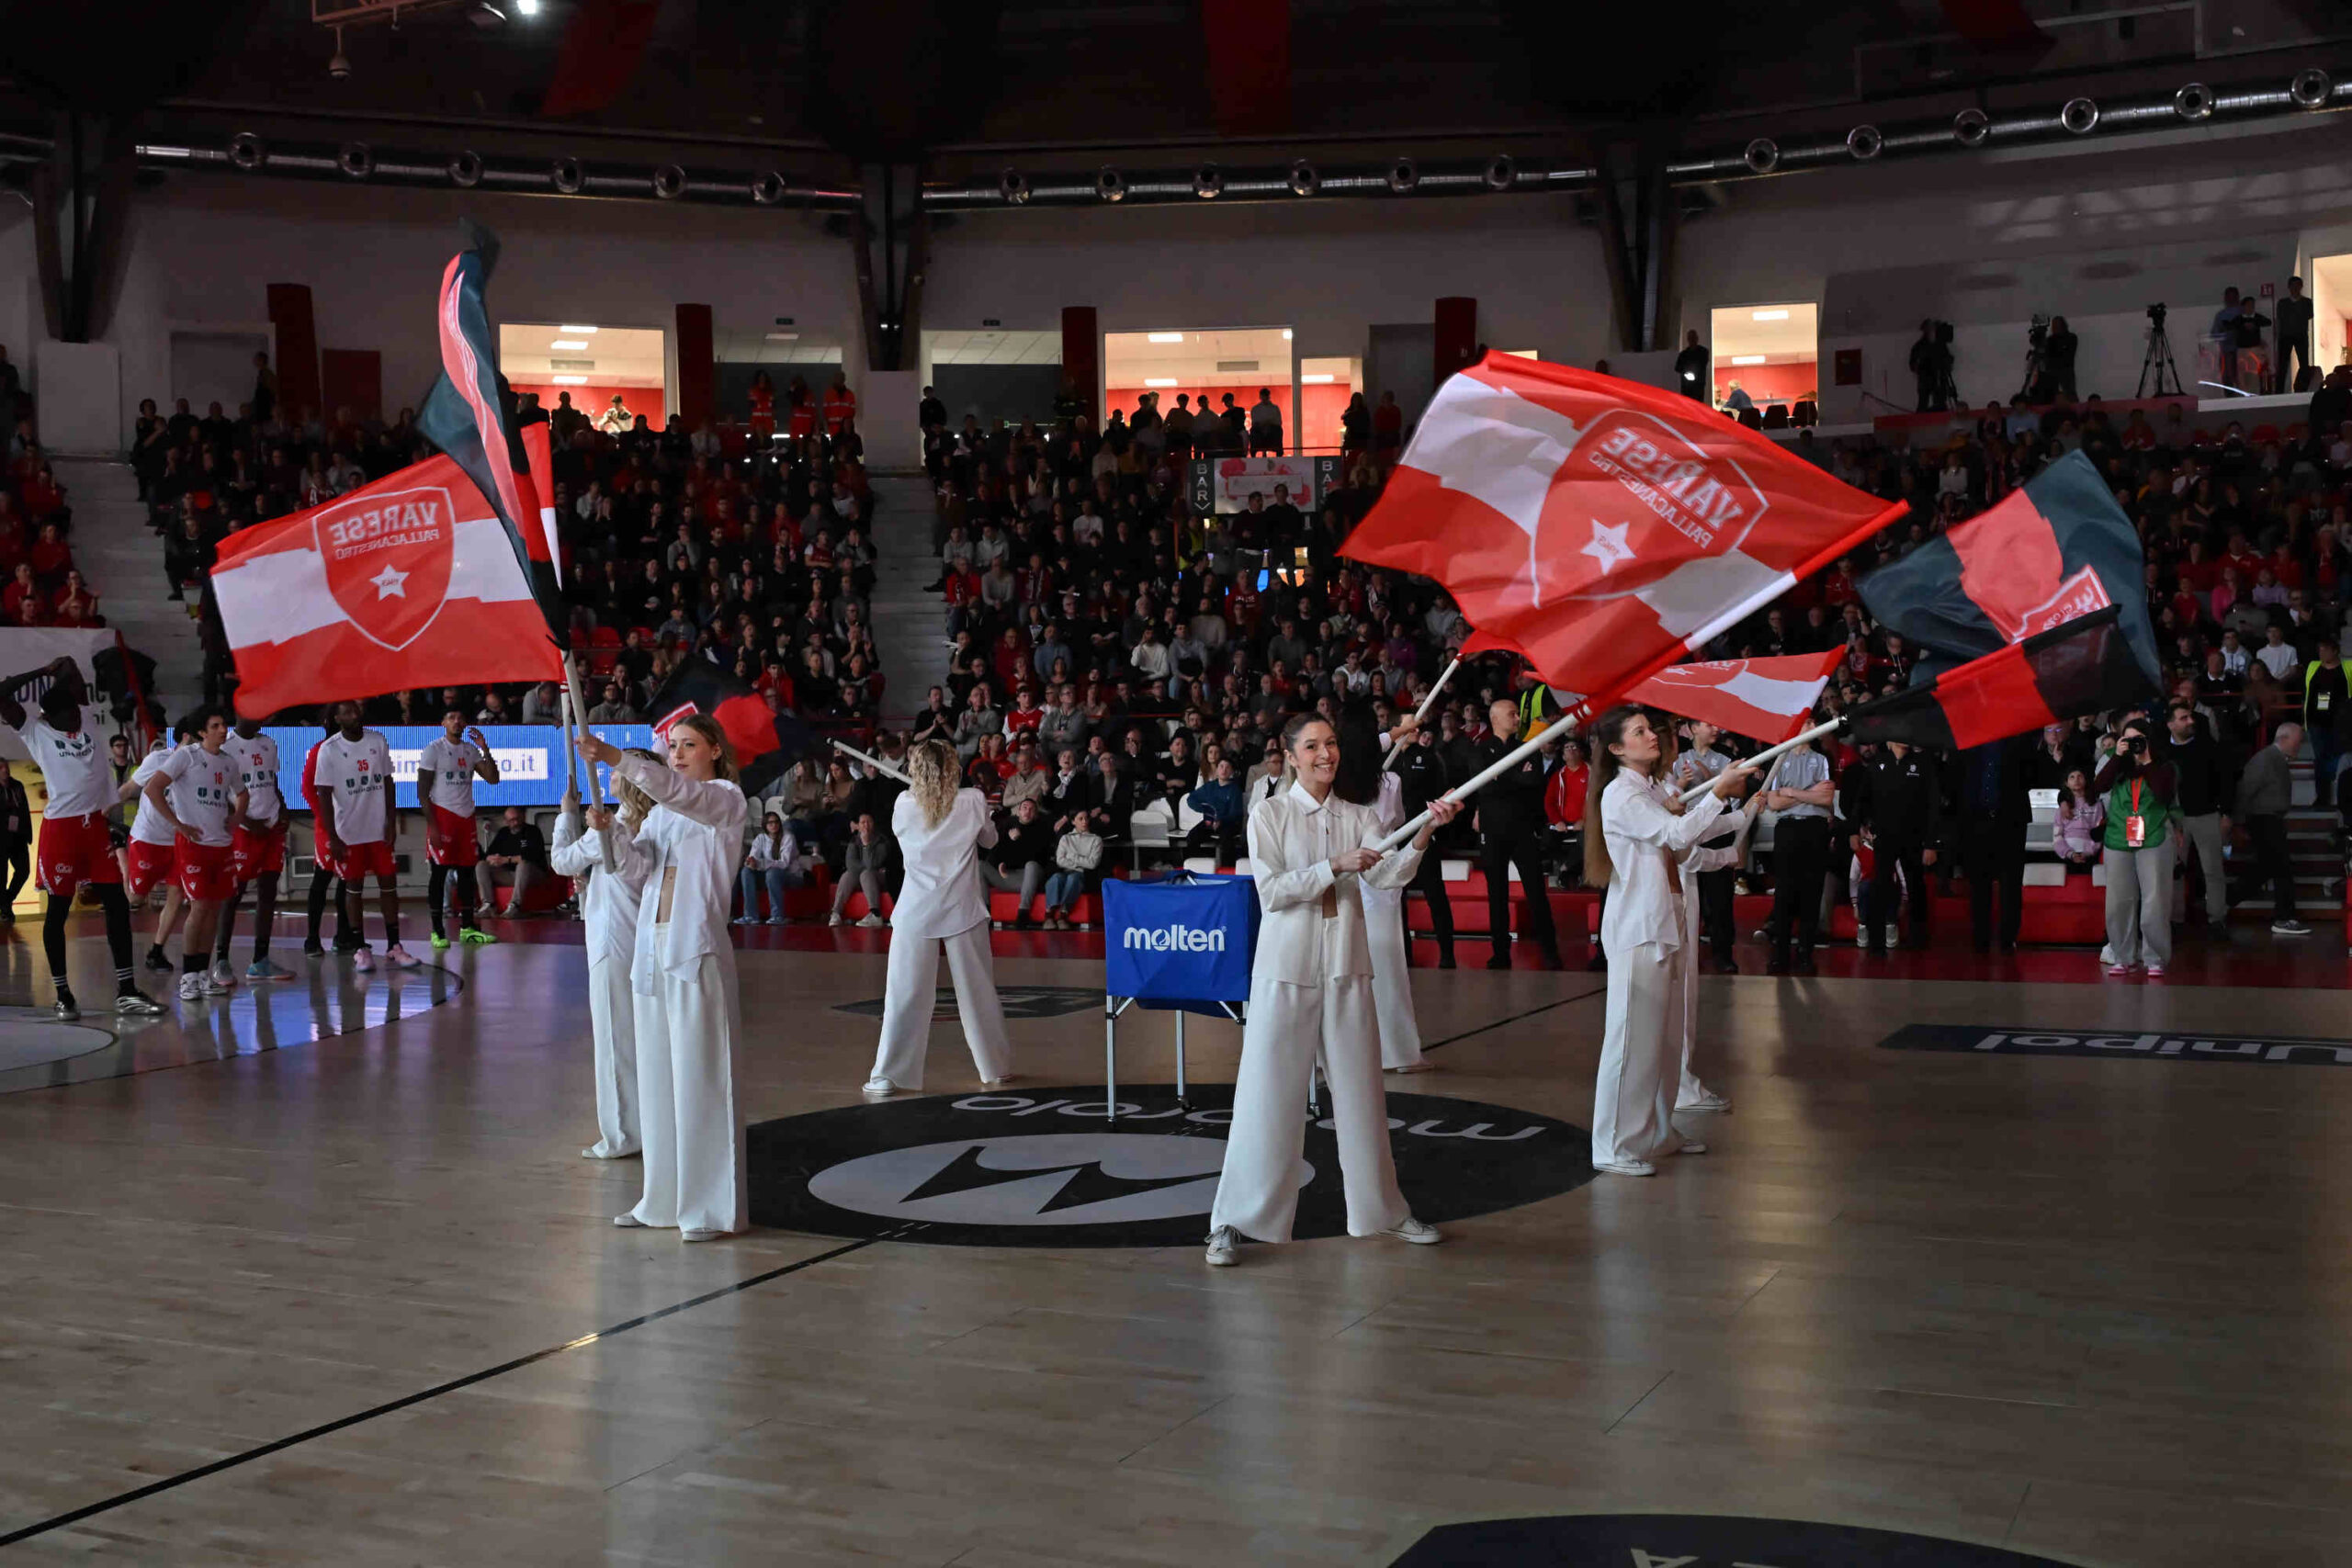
{"points": [[1182, 940]]}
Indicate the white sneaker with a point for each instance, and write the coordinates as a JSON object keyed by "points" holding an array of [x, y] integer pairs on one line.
{"points": [[704, 1234], [400, 957], [1686, 1146], [880, 1088], [214, 986], [363, 960], [1705, 1099], [1421, 1233], [191, 987], [629, 1222], [834, 919], [1418, 1065], [873, 923], [220, 979], [2289, 928], [1222, 1253], [1625, 1167]]}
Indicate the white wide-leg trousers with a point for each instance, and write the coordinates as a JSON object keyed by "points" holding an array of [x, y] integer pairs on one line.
{"points": [[913, 991], [612, 1017], [686, 1040]]}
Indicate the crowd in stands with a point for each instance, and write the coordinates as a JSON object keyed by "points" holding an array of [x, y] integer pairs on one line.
{"points": [[39, 584], [1115, 653]]}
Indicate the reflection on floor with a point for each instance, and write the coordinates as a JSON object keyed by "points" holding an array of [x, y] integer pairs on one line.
{"points": [[362, 1302]]}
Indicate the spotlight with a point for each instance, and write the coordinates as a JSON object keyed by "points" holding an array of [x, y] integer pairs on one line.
{"points": [[1303, 180], [2193, 102], [1014, 186], [339, 63], [1502, 172], [1208, 182], [1110, 185], [1763, 155], [566, 175], [1865, 142], [1403, 176], [1970, 127], [768, 189], [669, 182], [465, 169], [355, 159], [2079, 116], [2311, 88], [247, 151]]}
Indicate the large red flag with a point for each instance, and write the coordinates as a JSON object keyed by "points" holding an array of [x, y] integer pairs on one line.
{"points": [[410, 582], [1605, 527], [1765, 699]]}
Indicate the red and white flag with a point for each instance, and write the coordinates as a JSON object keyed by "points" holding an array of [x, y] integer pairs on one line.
{"points": [[1765, 699], [410, 582], [1605, 527]]}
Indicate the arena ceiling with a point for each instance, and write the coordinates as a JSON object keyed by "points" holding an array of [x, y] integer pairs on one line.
{"points": [[967, 81]]}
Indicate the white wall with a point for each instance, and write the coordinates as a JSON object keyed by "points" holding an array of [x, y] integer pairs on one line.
{"points": [[1983, 241], [19, 283]]}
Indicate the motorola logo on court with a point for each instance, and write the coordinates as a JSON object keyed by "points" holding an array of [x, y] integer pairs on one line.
{"points": [[1051, 1168]]}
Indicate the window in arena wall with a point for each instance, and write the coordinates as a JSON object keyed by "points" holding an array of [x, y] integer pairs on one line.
{"points": [[592, 363], [1772, 350], [1008, 373], [2329, 283], [1205, 365]]}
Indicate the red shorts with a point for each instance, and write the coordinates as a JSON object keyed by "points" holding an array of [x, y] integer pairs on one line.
{"points": [[359, 859], [75, 850], [150, 867], [460, 845], [202, 870], [251, 854]]}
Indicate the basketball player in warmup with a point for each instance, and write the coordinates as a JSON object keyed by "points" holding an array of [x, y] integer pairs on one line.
{"points": [[446, 771], [257, 848], [198, 791], [147, 855], [74, 774], [324, 880], [354, 775]]}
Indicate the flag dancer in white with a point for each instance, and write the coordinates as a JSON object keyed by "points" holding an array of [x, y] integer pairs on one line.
{"points": [[687, 1018], [1632, 842], [1364, 779], [608, 908], [1311, 1001], [941, 832]]}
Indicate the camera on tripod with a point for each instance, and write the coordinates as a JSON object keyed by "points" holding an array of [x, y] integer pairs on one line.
{"points": [[2037, 336], [1940, 331], [2156, 315], [2158, 365]]}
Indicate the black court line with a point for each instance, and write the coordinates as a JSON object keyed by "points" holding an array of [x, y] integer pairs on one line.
{"points": [[217, 1466], [1514, 1017]]}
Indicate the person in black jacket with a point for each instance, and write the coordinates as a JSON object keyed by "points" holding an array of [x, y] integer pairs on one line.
{"points": [[2201, 784], [1901, 811], [1510, 825], [1994, 811], [1690, 377], [1421, 768], [16, 840]]}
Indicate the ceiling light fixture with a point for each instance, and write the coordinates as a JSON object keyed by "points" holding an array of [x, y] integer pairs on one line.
{"points": [[1163, 337], [569, 380], [569, 328], [784, 337], [1160, 381], [1770, 315], [569, 342], [1748, 359], [1285, 334], [526, 7], [1319, 381]]}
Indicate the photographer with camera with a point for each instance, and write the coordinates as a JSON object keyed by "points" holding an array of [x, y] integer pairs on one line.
{"points": [[2139, 792], [2058, 360]]}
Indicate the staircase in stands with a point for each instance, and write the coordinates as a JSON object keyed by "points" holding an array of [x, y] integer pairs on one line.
{"points": [[123, 560], [910, 620]]}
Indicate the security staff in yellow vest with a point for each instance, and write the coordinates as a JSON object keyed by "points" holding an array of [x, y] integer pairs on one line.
{"points": [[2327, 719]]}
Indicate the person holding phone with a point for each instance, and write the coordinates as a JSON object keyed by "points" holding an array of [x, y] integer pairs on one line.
{"points": [[2139, 794]]}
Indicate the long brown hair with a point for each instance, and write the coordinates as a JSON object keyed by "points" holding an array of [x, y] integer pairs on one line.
{"points": [[1608, 730], [702, 724], [933, 774]]}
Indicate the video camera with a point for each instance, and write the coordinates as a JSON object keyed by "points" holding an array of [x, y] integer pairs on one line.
{"points": [[2039, 333], [2157, 314], [1942, 331]]}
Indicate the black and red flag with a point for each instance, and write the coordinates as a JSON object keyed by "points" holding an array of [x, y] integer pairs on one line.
{"points": [[766, 742], [2083, 665], [470, 415], [2055, 549]]}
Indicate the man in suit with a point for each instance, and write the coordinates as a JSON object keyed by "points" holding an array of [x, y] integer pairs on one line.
{"points": [[1510, 825], [1994, 811]]}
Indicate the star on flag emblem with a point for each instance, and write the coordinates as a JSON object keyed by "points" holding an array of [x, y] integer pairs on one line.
{"points": [[392, 583], [1609, 545]]}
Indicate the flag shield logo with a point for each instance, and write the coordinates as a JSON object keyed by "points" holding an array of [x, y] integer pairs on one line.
{"points": [[1636, 499], [388, 556], [2076, 597]]}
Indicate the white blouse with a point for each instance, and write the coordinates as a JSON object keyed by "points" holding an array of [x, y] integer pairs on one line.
{"points": [[1644, 904], [941, 895], [695, 832], [1292, 840], [1389, 812], [608, 907]]}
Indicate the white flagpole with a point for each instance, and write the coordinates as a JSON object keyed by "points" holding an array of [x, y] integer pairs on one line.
{"points": [[876, 763], [1770, 755], [1427, 703], [1566, 724]]}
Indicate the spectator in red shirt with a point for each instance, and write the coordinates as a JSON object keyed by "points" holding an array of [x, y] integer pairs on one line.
{"points": [[22, 601], [76, 605], [51, 557], [1564, 791], [1025, 716]]}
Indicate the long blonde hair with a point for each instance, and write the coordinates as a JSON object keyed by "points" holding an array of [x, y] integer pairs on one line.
{"points": [[935, 774], [710, 729], [634, 802]]}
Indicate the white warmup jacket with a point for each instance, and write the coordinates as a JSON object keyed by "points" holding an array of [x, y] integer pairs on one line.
{"points": [[1682, 1010], [688, 1022], [1642, 928], [1384, 920], [1310, 999], [608, 904], [940, 903]]}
